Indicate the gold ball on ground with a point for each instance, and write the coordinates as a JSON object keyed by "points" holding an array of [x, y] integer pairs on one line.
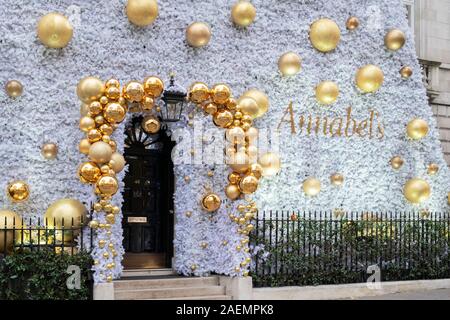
{"points": [[220, 93], [117, 162], [14, 88], [133, 91], [394, 39], [248, 106], [211, 202], [270, 163], [54, 30], [49, 151], [289, 64], [198, 34], [107, 185], [239, 162], [417, 129], [18, 191], [311, 186], [13, 220], [248, 184], [396, 162], [337, 179], [114, 112], [352, 23], [232, 191], [223, 118], [417, 190], [369, 78], [324, 35], [406, 72], [153, 86], [100, 152], [432, 169], [90, 89], [142, 12], [84, 146], [151, 125], [198, 92], [243, 13], [261, 99], [256, 170], [87, 124], [89, 172], [327, 92]]}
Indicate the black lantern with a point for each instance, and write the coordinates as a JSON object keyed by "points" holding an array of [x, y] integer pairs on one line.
{"points": [[174, 97]]}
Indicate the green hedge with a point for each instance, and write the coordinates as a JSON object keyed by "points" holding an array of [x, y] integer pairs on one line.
{"points": [[42, 275]]}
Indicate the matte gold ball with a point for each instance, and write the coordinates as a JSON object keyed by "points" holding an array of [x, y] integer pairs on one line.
{"points": [[324, 35], [198, 92], [117, 162], [198, 34], [54, 30], [394, 39], [327, 92], [243, 13], [352, 23], [396, 162], [311, 186], [100, 152], [369, 78], [232, 191], [18, 191], [240, 162], [14, 88], [289, 64], [235, 135], [142, 12], [13, 220], [86, 124], [49, 151], [248, 106], [261, 99], [417, 129], [432, 169], [66, 213], [90, 89], [406, 72], [151, 125], [84, 146], [153, 86], [337, 179], [248, 184], [270, 163], [417, 190], [211, 202]]}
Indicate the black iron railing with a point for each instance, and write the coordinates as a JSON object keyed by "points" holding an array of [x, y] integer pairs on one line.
{"points": [[312, 248]]}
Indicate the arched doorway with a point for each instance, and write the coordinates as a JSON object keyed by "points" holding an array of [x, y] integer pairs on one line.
{"points": [[148, 198]]}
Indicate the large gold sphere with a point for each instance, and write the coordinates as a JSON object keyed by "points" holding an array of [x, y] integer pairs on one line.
{"points": [[369, 78], [151, 125], [232, 191], [90, 89], [417, 129], [114, 112], [142, 12], [13, 220], [396, 162], [417, 190], [289, 64], [107, 185], [248, 106], [394, 39], [18, 191], [248, 184], [240, 162], [243, 13], [311, 186], [327, 92], [49, 151], [198, 34], [100, 152], [261, 99], [211, 202], [270, 163], [153, 86], [198, 92], [67, 213], [117, 162], [89, 172], [324, 35], [54, 30], [14, 88]]}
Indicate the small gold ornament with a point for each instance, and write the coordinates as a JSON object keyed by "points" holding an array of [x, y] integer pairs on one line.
{"points": [[261, 99], [113, 93], [417, 129], [110, 218], [432, 169], [243, 13], [8, 220], [232, 191], [337, 179], [187, 179], [18, 191], [311, 186], [14, 88], [153, 86], [270, 163], [248, 106], [54, 30], [151, 125], [114, 112], [396, 162], [235, 135], [198, 34], [248, 184], [369, 78], [193, 267], [406, 72], [87, 124], [89, 172], [394, 39], [240, 162], [117, 162], [49, 151], [417, 190], [112, 83], [107, 185], [210, 108], [198, 92], [100, 152], [294, 217], [251, 135], [223, 118], [352, 23], [289, 64], [327, 92], [211, 202], [84, 110], [142, 12], [93, 224], [84, 146], [220, 93], [106, 129], [256, 170], [90, 89], [133, 91], [234, 178], [188, 214], [210, 174], [324, 35], [94, 135]]}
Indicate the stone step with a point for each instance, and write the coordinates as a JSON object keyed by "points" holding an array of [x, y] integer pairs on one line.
{"points": [[160, 283], [129, 273], [220, 297], [167, 293]]}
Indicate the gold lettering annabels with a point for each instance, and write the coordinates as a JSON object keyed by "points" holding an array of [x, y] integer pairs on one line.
{"points": [[347, 126]]}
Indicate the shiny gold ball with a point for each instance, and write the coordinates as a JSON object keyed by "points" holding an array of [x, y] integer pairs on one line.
{"points": [[100, 152], [270, 163], [147, 103], [142, 12], [220, 93], [417, 129], [240, 162], [256, 170], [231, 104], [133, 91], [110, 218], [223, 118], [327, 92], [18, 191], [49, 151], [261, 99], [234, 178], [210, 108], [54, 30], [114, 112], [106, 129], [153, 86], [107, 185], [117, 162], [337, 179], [8, 220], [95, 108], [90, 89], [248, 106], [112, 93], [198, 92], [352, 23], [66, 213], [394, 39], [324, 35], [84, 146], [94, 135], [406, 72], [369, 78], [396, 162], [211, 202], [112, 83], [232, 191], [311, 186], [151, 125], [248, 184], [243, 13], [289, 64], [417, 190], [14, 88], [87, 124], [432, 169], [198, 34], [89, 172]]}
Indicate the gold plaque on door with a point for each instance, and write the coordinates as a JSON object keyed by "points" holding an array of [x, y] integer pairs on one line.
{"points": [[137, 220]]}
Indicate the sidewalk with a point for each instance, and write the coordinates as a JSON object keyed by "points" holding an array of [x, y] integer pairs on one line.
{"points": [[438, 294]]}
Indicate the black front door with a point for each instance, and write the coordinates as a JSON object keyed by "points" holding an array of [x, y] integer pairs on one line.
{"points": [[148, 194]]}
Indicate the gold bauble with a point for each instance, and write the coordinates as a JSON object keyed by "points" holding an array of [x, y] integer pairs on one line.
{"points": [[248, 184], [234, 177], [406, 72], [235, 135], [106, 129], [223, 118], [327, 92], [417, 190], [95, 108], [210, 108], [248, 106], [198, 34], [93, 224], [396, 162], [49, 151], [66, 213], [432, 169], [18, 191], [84, 109], [198, 92], [337, 179], [94, 135], [117, 162], [110, 218], [211, 202], [114, 112], [54, 30], [261, 99], [311, 186], [100, 152], [133, 91], [147, 103], [90, 89], [394, 39], [369, 78], [243, 13], [14, 88], [151, 125], [107, 185], [153, 86], [89, 172], [417, 129], [324, 35], [239, 162], [142, 12], [112, 93], [352, 23], [112, 83], [256, 170], [232, 191], [87, 124], [84, 146], [13, 220], [289, 64], [220, 93], [231, 104], [270, 163], [251, 134]]}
